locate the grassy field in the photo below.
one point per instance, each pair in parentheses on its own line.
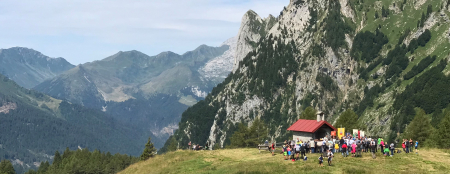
(251,161)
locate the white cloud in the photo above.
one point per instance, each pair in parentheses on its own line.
(87,30)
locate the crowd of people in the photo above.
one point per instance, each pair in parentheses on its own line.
(408,145)
(193,146)
(349,145)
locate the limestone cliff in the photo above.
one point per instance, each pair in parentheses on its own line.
(306,57)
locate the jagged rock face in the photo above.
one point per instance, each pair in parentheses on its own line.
(346,9)
(28,67)
(295,19)
(218,68)
(269,84)
(289,27)
(253,27)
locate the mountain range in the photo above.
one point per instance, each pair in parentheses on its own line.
(129,94)
(148,92)
(380,60)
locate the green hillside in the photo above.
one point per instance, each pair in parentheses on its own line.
(383,60)
(34,125)
(251,161)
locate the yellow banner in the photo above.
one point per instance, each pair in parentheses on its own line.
(341,132)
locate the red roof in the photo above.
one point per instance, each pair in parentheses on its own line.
(308,126)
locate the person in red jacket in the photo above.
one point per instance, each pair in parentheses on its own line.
(273,149)
(344,149)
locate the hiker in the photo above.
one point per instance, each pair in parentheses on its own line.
(307,147)
(293,153)
(330,157)
(189,144)
(273,148)
(324,146)
(297,149)
(302,150)
(285,152)
(407,145)
(411,142)
(367,142)
(336,148)
(344,150)
(358,149)
(404,146)
(289,151)
(321,160)
(319,146)
(292,144)
(382,145)
(392,147)
(351,141)
(386,151)
(411,145)
(341,142)
(346,140)
(330,145)
(354,149)
(379,144)
(415,146)
(311,144)
(373,145)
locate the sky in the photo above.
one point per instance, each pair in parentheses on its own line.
(87,30)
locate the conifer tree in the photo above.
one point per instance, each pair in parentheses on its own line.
(43,167)
(429,10)
(309,113)
(422,20)
(420,127)
(257,133)
(149,150)
(384,13)
(6,167)
(57,159)
(66,153)
(442,135)
(347,119)
(239,137)
(173,144)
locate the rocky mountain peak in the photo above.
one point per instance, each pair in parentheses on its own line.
(29,67)
(251,30)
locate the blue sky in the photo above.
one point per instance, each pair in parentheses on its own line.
(87,30)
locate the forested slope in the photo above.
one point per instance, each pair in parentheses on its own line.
(34,125)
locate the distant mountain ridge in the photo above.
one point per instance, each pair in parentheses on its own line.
(33,126)
(28,67)
(145,91)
